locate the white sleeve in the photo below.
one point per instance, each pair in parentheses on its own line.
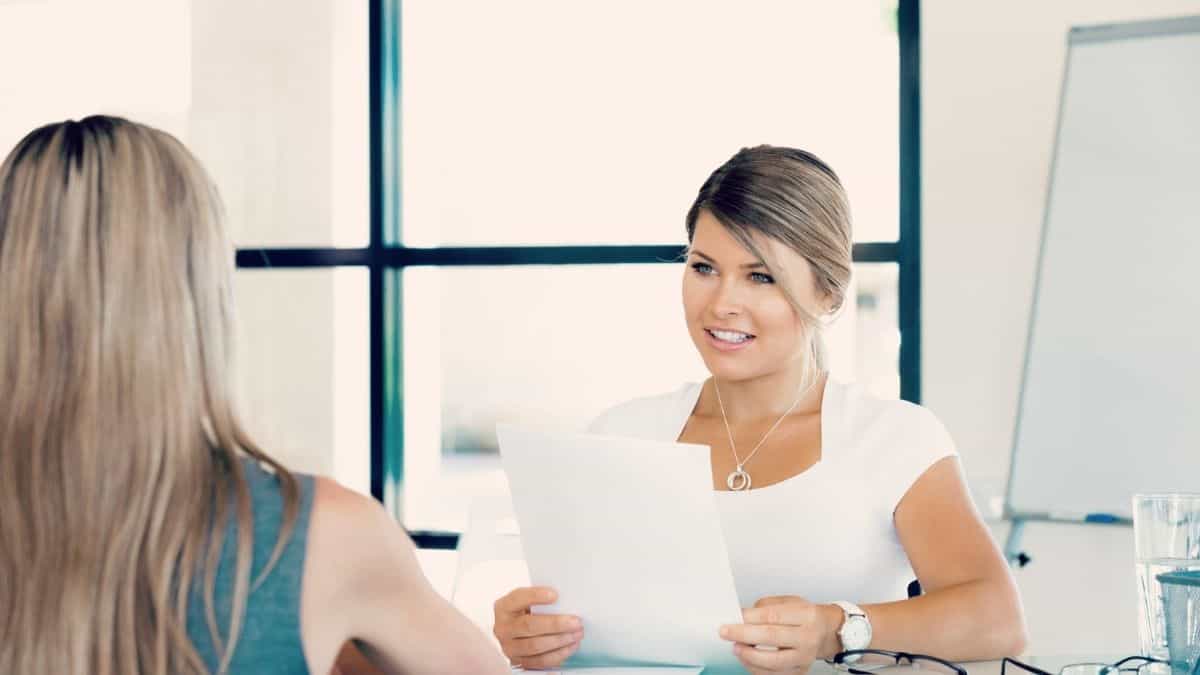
(649,417)
(920,442)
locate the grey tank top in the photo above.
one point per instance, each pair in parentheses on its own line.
(269,641)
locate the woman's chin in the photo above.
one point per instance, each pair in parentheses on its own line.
(726,372)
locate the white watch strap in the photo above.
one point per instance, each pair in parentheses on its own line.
(850,608)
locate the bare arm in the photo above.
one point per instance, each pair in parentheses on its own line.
(351,661)
(970,612)
(362,582)
(970,609)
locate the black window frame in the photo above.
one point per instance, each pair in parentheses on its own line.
(385,256)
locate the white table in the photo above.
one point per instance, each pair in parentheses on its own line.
(1049,663)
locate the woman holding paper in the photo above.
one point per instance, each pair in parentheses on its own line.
(831,500)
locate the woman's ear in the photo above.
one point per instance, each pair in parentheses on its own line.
(831,303)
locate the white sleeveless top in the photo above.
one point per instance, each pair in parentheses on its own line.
(826,534)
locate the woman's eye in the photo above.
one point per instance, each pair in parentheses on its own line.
(760,278)
(702,268)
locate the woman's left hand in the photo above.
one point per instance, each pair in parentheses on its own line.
(795,631)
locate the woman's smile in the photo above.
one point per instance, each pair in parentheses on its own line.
(728,340)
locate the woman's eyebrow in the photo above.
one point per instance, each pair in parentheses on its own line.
(747,266)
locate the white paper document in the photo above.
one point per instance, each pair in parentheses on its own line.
(627,531)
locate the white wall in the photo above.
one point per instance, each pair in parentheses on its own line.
(990,80)
(278,115)
(277,112)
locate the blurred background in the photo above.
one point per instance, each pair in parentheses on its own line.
(451,213)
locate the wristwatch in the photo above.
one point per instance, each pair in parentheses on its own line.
(855,632)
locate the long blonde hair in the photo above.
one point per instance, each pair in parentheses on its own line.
(793,197)
(120,451)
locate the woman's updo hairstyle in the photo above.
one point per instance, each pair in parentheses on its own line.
(793,197)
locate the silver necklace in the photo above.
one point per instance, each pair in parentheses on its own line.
(738,479)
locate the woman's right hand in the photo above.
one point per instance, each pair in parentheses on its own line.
(535,640)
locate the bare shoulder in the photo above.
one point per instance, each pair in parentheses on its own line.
(334,502)
(355,532)
(355,550)
(362,582)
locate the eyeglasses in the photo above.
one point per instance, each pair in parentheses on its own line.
(1129,664)
(898,658)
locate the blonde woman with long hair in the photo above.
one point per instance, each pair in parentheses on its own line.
(141,529)
(831,500)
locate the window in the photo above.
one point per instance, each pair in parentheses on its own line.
(530,165)
(433,201)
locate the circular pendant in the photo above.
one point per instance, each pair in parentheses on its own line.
(738,480)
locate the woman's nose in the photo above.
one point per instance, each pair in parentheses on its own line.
(726,302)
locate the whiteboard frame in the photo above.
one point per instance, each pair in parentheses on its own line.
(1077,35)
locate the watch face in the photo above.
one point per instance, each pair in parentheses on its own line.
(856,633)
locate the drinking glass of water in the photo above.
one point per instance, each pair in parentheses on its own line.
(1166,533)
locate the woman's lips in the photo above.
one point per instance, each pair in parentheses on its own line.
(728,345)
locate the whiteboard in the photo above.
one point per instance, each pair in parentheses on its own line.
(1110,398)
